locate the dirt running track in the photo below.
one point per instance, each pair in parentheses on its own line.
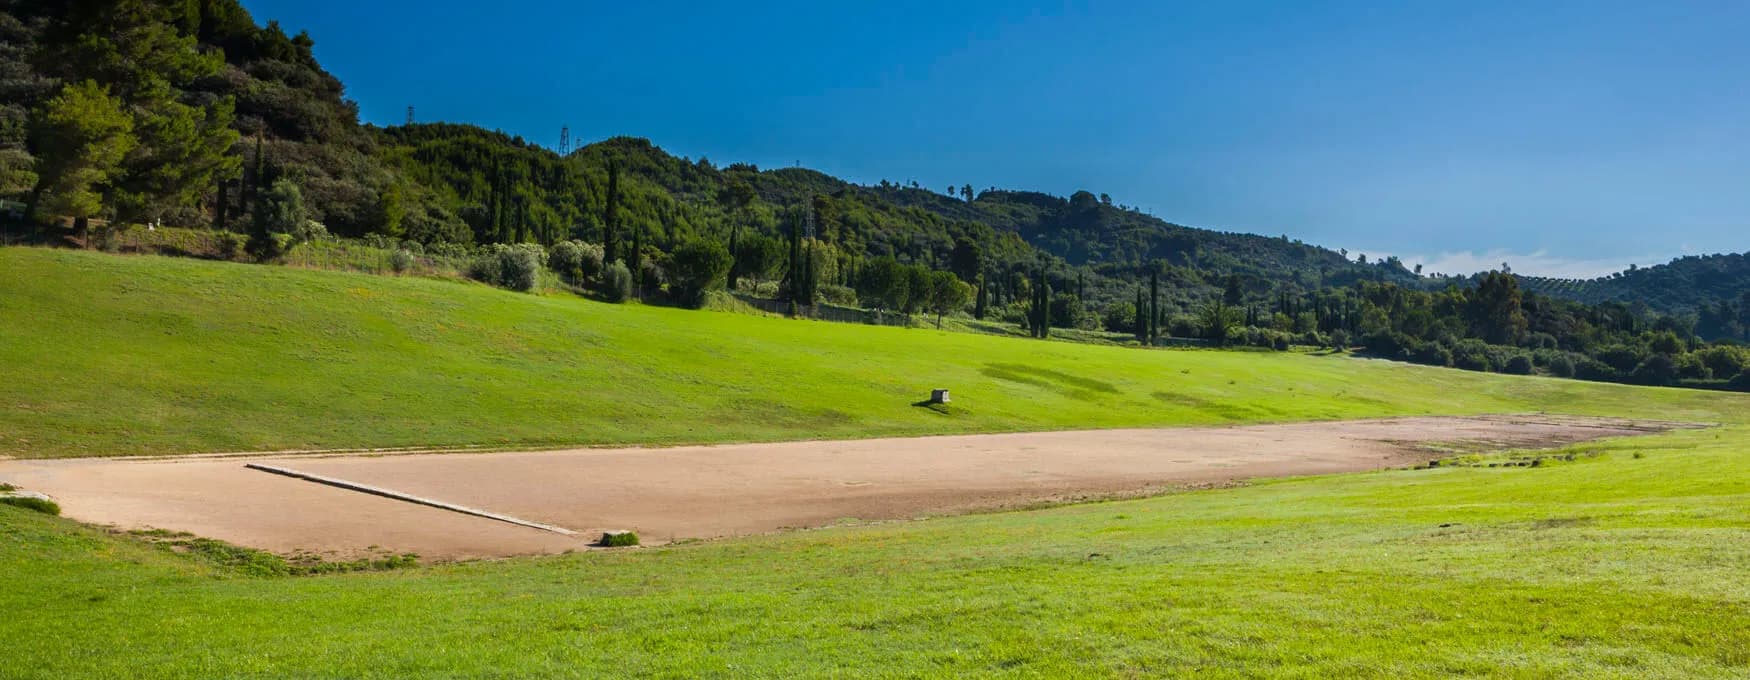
(713,491)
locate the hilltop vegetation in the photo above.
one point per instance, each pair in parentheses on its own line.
(1712,291)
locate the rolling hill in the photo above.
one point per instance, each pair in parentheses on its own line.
(1713,288)
(181,355)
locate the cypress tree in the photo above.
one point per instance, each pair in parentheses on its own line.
(1140,328)
(252,182)
(219,206)
(795,254)
(1044,305)
(1033,311)
(978,305)
(809,280)
(636,261)
(1154,303)
(734,252)
(611,215)
(522,220)
(1033,306)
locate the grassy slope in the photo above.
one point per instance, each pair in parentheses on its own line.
(1613,567)
(125,355)
(1634,563)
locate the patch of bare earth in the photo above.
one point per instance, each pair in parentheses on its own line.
(717,491)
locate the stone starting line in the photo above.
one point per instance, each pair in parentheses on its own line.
(406,497)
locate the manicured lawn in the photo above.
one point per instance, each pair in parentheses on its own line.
(112,355)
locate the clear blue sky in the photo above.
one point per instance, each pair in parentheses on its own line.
(1564,137)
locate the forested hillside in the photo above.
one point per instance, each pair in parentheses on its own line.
(1715,289)
(189,113)
(233,106)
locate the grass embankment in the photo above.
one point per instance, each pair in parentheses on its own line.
(107,355)
(1633,563)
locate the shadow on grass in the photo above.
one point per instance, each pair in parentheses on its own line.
(1072,386)
(937,407)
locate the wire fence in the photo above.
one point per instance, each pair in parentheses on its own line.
(826,312)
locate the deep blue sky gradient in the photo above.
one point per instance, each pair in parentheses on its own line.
(1565,137)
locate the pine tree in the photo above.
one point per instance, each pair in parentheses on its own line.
(81,136)
(134,50)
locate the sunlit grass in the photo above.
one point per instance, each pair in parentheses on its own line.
(106,355)
(1612,566)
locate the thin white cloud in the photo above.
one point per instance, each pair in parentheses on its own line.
(1537,263)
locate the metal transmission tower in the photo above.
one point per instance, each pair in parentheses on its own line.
(565,140)
(410,114)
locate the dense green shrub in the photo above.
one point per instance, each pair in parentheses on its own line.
(1471,354)
(1658,369)
(1561,366)
(695,267)
(838,295)
(401,260)
(1386,344)
(619,539)
(1184,326)
(1518,364)
(1666,342)
(653,276)
(616,283)
(1691,367)
(1434,354)
(310,230)
(227,245)
(1725,361)
(566,259)
(449,250)
(515,267)
(280,210)
(1622,358)
(269,247)
(1588,368)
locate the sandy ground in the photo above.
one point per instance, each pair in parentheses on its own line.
(715,491)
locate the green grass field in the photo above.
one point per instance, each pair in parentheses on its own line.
(1613,566)
(113,355)
(1632,561)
